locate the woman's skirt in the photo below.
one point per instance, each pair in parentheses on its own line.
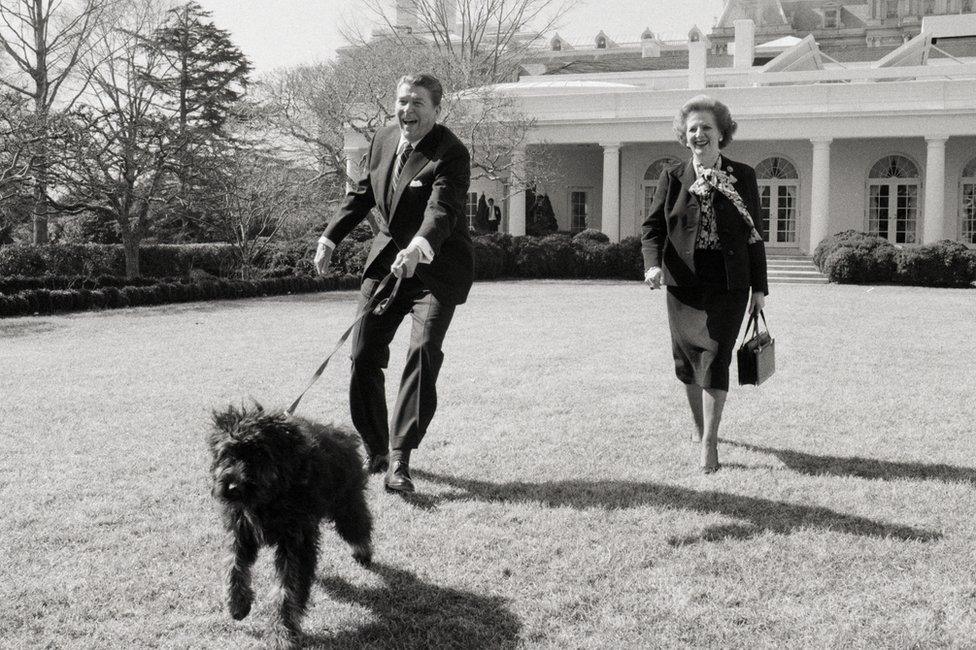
(705,323)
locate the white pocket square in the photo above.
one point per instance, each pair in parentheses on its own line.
(416,184)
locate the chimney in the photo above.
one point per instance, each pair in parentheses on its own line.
(697,58)
(650,46)
(745,43)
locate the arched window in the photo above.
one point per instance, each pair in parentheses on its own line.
(601,43)
(893,188)
(648,185)
(967,203)
(779,187)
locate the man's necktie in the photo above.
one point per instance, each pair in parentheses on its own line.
(398,167)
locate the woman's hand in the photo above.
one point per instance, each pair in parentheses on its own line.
(757,302)
(654,277)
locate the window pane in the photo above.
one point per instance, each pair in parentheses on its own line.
(577,208)
(878,210)
(786,226)
(969,213)
(764,208)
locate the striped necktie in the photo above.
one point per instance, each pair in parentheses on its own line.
(398,167)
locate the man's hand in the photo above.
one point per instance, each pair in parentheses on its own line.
(654,277)
(757,302)
(406,262)
(323,255)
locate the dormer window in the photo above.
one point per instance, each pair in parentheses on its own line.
(557,46)
(831,20)
(601,43)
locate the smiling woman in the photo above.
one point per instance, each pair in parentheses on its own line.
(700,238)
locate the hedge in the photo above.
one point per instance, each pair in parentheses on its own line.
(46,301)
(155,260)
(855,257)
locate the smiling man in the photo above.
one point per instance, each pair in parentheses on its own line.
(417,178)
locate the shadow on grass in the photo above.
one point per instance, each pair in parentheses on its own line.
(870,468)
(26,327)
(757,515)
(411,613)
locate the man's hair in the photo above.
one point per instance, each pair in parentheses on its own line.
(700,103)
(424,80)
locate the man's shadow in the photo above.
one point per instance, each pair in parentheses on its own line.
(411,613)
(756,515)
(869,468)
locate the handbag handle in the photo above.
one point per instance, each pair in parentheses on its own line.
(754,323)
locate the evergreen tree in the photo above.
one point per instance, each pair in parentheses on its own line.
(207,74)
(204,79)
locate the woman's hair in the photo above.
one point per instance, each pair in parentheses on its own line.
(723,119)
(424,80)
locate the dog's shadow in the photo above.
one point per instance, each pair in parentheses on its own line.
(868,468)
(755,515)
(411,613)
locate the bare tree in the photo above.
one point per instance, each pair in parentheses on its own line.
(255,197)
(120,150)
(46,40)
(488,39)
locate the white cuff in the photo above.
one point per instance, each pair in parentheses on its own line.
(426,252)
(328,242)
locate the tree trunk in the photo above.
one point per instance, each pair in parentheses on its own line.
(130,244)
(40,211)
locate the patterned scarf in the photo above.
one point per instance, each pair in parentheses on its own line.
(715,179)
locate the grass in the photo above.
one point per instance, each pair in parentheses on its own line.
(559,503)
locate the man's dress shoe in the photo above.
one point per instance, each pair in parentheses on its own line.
(398,477)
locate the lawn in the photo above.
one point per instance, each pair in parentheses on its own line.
(559,500)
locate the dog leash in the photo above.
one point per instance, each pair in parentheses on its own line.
(378,310)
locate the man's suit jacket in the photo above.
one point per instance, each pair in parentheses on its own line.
(429,202)
(671,228)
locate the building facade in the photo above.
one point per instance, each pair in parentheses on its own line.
(855,115)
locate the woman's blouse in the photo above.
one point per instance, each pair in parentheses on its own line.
(707,227)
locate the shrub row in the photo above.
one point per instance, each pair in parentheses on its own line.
(155,260)
(15,283)
(45,301)
(588,254)
(854,257)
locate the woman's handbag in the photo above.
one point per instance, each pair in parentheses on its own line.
(757,355)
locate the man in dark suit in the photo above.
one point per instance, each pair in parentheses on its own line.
(418,173)
(494,216)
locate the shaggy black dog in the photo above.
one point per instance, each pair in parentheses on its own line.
(276,477)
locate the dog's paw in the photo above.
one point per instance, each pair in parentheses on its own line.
(362,553)
(239,604)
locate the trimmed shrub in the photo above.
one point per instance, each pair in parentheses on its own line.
(631,259)
(591,235)
(489,259)
(22,260)
(856,257)
(942,264)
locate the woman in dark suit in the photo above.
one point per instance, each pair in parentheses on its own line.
(702,240)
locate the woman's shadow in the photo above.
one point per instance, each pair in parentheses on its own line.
(410,613)
(755,515)
(869,468)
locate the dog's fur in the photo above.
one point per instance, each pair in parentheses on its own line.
(275,478)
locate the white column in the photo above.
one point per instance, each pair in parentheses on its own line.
(516,202)
(820,193)
(933,214)
(610,213)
